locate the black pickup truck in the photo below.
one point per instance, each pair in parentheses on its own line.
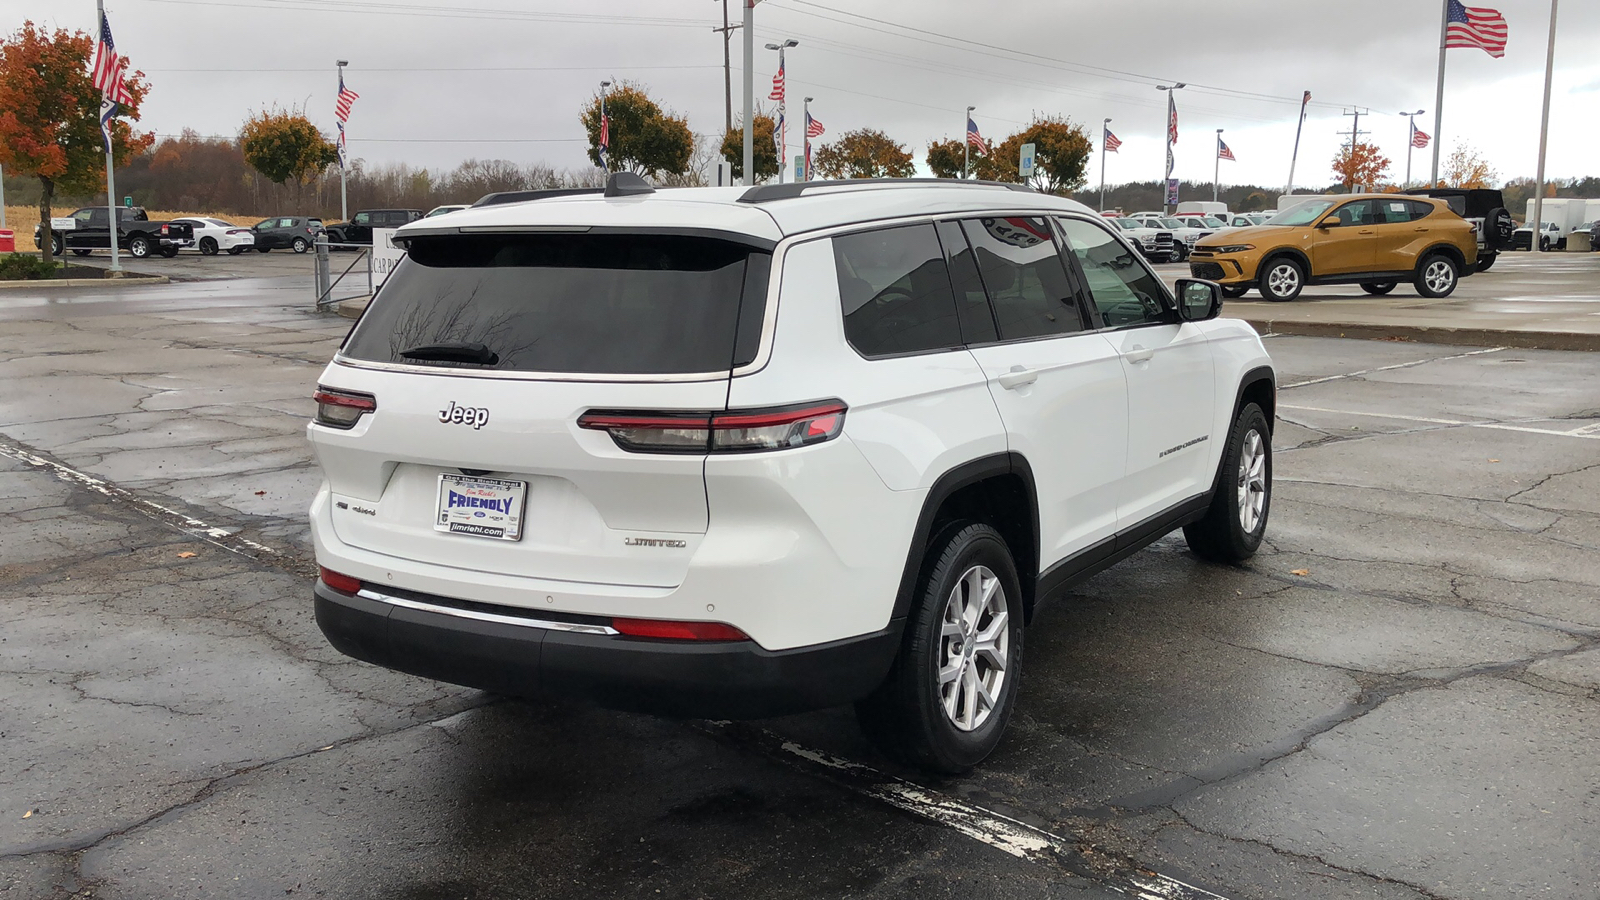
(135,233)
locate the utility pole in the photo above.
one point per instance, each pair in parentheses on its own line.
(749,91)
(1411,140)
(1355,133)
(1105,127)
(1544,135)
(727,67)
(966,144)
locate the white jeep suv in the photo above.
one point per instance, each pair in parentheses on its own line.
(734,452)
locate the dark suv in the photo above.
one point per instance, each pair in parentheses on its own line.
(295,233)
(359,229)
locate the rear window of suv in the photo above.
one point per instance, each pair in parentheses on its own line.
(616,304)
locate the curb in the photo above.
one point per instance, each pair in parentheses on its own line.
(124,281)
(1467,337)
(354,307)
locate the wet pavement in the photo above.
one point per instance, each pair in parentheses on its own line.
(1397,698)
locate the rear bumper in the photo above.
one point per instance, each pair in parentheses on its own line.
(711,680)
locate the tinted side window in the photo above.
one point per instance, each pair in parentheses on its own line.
(894,291)
(1361,212)
(1023,275)
(1392,212)
(1124,292)
(972,304)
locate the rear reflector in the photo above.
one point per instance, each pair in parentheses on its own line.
(738,431)
(679,631)
(342,409)
(342,583)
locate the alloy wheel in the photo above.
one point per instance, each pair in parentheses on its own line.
(1252,482)
(1439,276)
(974,649)
(1283,280)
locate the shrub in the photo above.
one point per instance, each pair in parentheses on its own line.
(25,267)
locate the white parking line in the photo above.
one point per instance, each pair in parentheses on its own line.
(1002,832)
(1405,365)
(1591,432)
(221,537)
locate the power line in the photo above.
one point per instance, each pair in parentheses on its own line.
(401,9)
(323,69)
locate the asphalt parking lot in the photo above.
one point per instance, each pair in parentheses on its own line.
(1396,699)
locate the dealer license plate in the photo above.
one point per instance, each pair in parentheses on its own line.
(481,507)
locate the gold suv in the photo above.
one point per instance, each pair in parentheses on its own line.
(1374,240)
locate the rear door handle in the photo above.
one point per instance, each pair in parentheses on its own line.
(1017,377)
(1138,354)
(1366,231)
(1421,229)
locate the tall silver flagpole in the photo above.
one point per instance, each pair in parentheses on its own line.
(344,151)
(966,144)
(1544,134)
(749,91)
(1105,128)
(1438,100)
(111,181)
(1216,178)
(1305,99)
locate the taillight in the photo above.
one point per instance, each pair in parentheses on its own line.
(678,631)
(739,431)
(338,581)
(238,231)
(342,409)
(164,229)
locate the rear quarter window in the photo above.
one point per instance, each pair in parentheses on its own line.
(614,304)
(894,291)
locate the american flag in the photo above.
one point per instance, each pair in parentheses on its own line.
(1419,138)
(813,127)
(1111,141)
(605,134)
(1172,118)
(1222,150)
(1480,27)
(974,138)
(108,68)
(777,85)
(341,107)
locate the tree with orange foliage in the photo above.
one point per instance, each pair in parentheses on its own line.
(50,116)
(1465,168)
(1360,164)
(865,153)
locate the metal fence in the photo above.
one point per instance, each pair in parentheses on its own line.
(334,290)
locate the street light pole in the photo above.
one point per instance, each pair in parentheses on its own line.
(1411,139)
(781,126)
(1172,113)
(966,144)
(1105,128)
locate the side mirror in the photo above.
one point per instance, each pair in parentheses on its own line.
(1198,299)
(1329,222)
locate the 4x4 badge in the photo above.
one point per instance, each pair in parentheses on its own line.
(477,416)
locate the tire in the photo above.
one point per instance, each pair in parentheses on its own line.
(299,245)
(1235,291)
(79,251)
(139,247)
(1486,260)
(169,252)
(907,716)
(208,246)
(1233,525)
(56,247)
(1498,226)
(1437,275)
(263,249)
(235,251)
(1544,244)
(1378,288)
(1180,252)
(1282,279)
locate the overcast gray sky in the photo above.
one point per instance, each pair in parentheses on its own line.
(443,82)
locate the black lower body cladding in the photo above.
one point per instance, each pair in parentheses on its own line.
(736,680)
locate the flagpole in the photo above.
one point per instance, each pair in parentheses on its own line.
(1216,178)
(1544,135)
(805,130)
(749,92)
(111,179)
(1105,128)
(344,150)
(1438,100)
(966,145)
(783,121)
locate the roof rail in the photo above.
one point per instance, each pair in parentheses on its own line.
(763,193)
(502,197)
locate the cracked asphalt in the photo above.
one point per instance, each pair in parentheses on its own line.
(1396,699)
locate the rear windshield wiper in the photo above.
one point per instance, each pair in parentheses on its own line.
(455,351)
